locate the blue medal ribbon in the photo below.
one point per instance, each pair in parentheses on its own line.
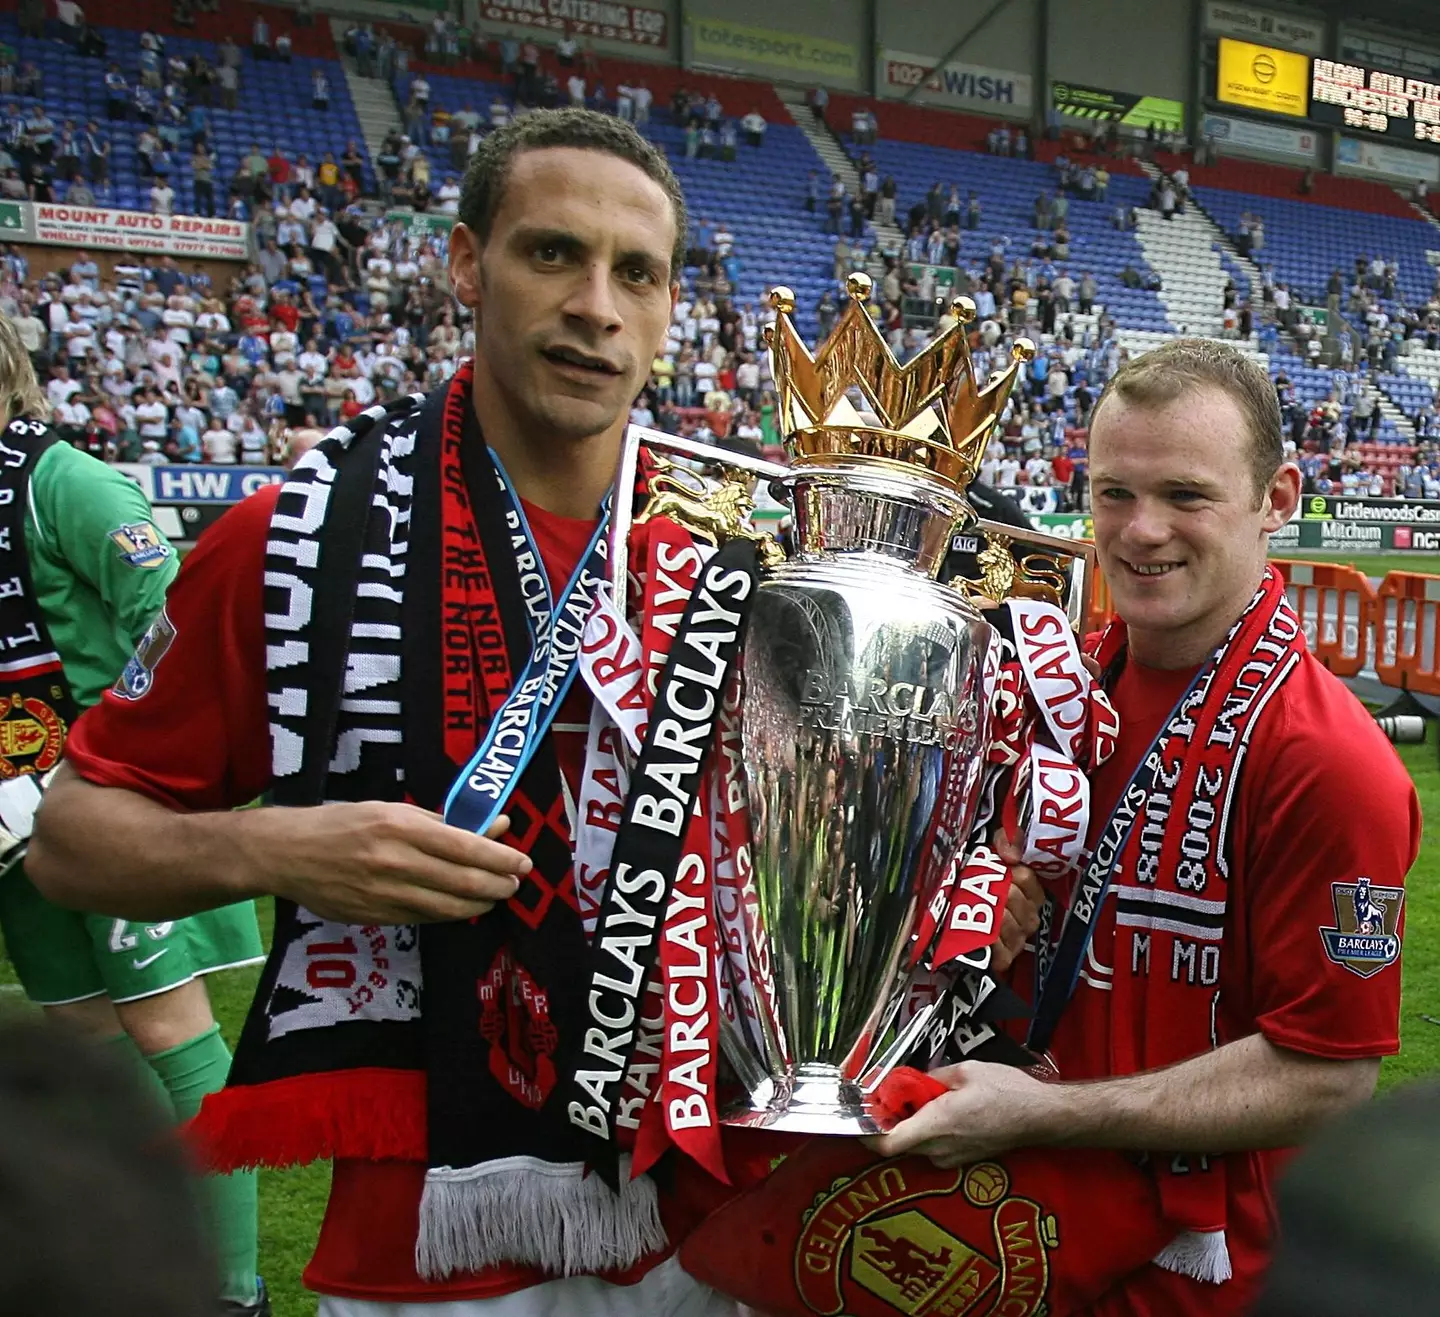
(479,794)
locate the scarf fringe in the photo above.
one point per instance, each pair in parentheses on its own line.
(1200,1254)
(524,1210)
(367,1113)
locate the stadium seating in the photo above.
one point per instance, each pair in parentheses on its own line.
(1316,384)
(1283,183)
(1007,189)
(1407,392)
(760,195)
(231,19)
(1305,242)
(273,109)
(736,94)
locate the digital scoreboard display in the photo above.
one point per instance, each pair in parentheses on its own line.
(1372,101)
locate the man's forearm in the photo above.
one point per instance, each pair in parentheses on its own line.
(1247,1094)
(119,853)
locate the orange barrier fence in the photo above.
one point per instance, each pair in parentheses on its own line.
(1406,621)
(1350,624)
(1336,604)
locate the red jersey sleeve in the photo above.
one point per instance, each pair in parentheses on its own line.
(188,724)
(1332,805)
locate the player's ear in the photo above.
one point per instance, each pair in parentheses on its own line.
(1282,497)
(464,266)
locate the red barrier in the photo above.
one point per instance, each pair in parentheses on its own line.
(1407,627)
(1336,603)
(1350,625)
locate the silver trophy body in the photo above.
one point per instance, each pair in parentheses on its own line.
(864,713)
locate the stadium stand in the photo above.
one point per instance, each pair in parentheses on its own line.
(759,192)
(1007,190)
(1282,183)
(274,107)
(1094,251)
(1306,242)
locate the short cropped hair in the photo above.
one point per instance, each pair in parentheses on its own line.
(1185,365)
(20,393)
(483,187)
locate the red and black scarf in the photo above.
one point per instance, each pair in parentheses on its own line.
(1168,854)
(37,705)
(394,628)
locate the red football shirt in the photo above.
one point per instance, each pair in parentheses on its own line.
(287,313)
(1323,799)
(199,740)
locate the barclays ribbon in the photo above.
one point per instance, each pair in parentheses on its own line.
(1082,917)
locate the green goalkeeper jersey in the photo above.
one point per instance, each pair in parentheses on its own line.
(98,563)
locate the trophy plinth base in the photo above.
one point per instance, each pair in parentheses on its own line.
(815,1100)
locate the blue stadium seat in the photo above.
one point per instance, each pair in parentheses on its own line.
(273,109)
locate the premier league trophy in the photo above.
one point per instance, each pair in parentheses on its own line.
(866,699)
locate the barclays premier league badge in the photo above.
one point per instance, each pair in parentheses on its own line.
(1367,936)
(140,544)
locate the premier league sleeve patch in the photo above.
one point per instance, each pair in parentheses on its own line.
(139,674)
(140,544)
(1366,937)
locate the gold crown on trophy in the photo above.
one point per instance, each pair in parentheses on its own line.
(933,412)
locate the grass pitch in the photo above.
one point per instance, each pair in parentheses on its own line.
(1419,1039)
(1372,564)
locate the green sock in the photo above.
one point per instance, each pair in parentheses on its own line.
(189,1072)
(132,1059)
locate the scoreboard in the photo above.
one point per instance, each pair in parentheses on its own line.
(1372,101)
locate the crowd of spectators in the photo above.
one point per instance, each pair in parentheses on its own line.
(711,131)
(1328,441)
(170,100)
(1381,328)
(155,364)
(1360,326)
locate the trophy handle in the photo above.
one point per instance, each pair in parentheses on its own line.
(1064,581)
(622,508)
(882,1063)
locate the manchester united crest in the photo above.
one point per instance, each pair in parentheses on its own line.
(1366,936)
(32,734)
(515,1021)
(869,1248)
